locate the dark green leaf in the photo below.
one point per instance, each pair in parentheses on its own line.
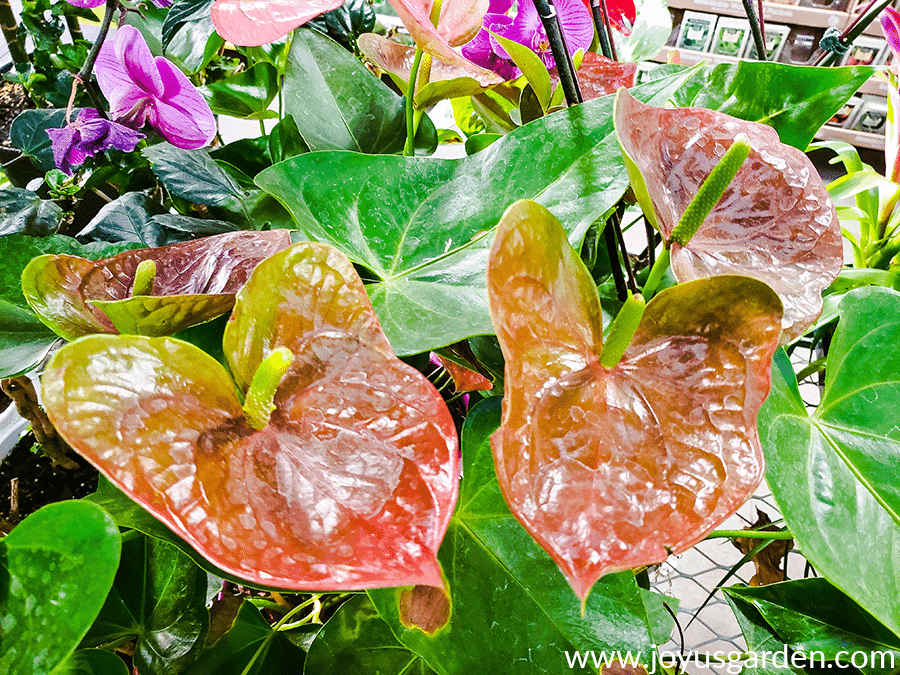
(795,100)
(764,647)
(424,226)
(817,620)
(182,12)
(29,134)
(24,340)
(661,621)
(357,640)
(833,474)
(285,140)
(174,228)
(247,94)
(159,597)
(339,105)
(56,568)
(92,662)
(192,175)
(346,23)
(479,142)
(251,647)
(250,155)
(503,586)
(126,219)
(22,211)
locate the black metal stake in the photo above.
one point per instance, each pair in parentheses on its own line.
(564,65)
(612,250)
(609,34)
(758,38)
(600,25)
(617,228)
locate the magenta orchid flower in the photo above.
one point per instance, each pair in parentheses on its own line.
(890,25)
(90,4)
(87,136)
(143,89)
(526,29)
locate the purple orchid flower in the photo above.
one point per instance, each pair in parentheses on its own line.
(526,29)
(87,136)
(90,4)
(143,89)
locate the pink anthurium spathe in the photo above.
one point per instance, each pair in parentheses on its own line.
(774,222)
(611,467)
(143,89)
(251,23)
(338,471)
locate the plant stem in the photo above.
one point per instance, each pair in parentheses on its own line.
(10,32)
(851,32)
(612,250)
(609,33)
(601,23)
(564,65)
(755,29)
(74,28)
(409,149)
(620,238)
(749,534)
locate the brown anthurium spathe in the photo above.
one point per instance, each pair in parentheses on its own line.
(349,483)
(599,76)
(775,221)
(613,468)
(194,281)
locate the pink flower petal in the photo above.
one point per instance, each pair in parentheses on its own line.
(460,22)
(250,23)
(182,96)
(135,56)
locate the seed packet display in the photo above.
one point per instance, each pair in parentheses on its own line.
(677,15)
(872,117)
(731,36)
(696,31)
(865,51)
(846,116)
(833,5)
(776,36)
(801,45)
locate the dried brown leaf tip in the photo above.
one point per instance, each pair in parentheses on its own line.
(768,562)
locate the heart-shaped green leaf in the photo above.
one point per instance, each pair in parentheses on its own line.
(503,586)
(92,662)
(423,226)
(247,94)
(24,211)
(350,481)
(774,222)
(194,281)
(610,468)
(834,473)
(56,568)
(159,599)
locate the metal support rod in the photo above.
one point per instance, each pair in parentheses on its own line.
(564,66)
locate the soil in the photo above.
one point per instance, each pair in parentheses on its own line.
(13,100)
(39,481)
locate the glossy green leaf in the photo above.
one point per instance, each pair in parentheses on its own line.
(56,568)
(285,140)
(92,662)
(833,474)
(29,134)
(24,340)
(159,598)
(182,12)
(126,219)
(764,648)
(22,211)
(338,104)
(347,482)
(611,466)
(795,100)
(503,586)
(357,640)
(346,23)
(423,227)
(192,174)
(251,647)
(814,618)
(247,94)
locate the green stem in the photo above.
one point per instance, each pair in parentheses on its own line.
(657,272)
(749,534)
(10,32)
(622,331)
(409,148)
(259,402)
(813,368)
(755,30)
(711,191)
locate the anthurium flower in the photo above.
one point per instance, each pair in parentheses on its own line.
(87,136)
(622,14)
(143,89)
(250,23)
(774,222)
(611,467)
(340,469)
(192,282)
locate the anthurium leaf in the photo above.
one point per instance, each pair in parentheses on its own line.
(190,281)
(29,134)
(460,77)
(251,647)
(764,648)
(774,221)
(503,586)
(848,449)
(611,468)
(346,23)
(192,175)
(24,340)
(174,228)
(57,567)
(423,227)
(338,104)
(180,13)
(247,94)
(357,640)
(22,211)
(285,140)
(795,100)
(159,598)
(814,618)
(92,662)
(126,219)
(251,23)
(349,484)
